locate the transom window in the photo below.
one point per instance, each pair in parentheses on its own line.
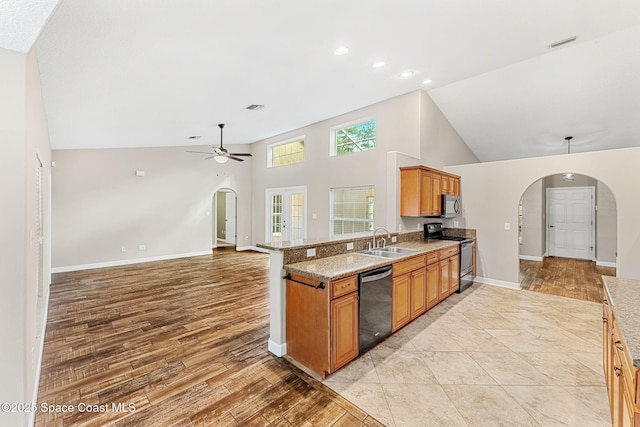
(352,210)
(353,137)
(286,152)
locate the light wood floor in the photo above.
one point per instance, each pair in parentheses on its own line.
(184,342)
(566,277)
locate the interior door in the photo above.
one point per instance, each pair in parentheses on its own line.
(570,228)
(286,214)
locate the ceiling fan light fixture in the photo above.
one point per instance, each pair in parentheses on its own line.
(221,159)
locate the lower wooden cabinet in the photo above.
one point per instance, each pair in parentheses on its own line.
(433,284)
(401,301)
(344,330)
(418,293)
(621,375)
(322,322)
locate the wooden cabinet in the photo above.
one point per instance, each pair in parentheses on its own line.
(401,301)
(409,295)
(620,374)
(433,284)
(421,189)
(344,330)
(454,274)
(322,322)
(418,293)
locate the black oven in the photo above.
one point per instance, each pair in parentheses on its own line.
(436,231)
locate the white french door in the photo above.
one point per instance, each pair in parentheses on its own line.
(570,225)
(286,214)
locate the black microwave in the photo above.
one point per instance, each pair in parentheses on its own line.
(450,206)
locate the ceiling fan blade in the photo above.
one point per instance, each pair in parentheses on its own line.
(200,152)
(241,154)
(235,158)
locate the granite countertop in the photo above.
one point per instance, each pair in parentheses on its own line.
(337,266)
(624,296)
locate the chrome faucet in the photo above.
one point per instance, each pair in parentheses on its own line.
(384,242)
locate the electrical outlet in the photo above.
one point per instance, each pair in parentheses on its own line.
(350,246)
(455,224)
(394,239)
(507,226)
(311,252)
(142,247)
(124,249)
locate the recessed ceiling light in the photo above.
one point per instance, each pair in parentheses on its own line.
(379,64)
(341,50)
(407,74)
(426,82)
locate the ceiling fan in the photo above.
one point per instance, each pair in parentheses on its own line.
(221,154)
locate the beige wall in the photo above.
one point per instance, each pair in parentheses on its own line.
(492,192)
(532,246)
(397,129)
(101,205)
(408,126)
(606,225)
(23,134)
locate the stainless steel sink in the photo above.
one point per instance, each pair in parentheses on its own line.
(396,250)
(388,252)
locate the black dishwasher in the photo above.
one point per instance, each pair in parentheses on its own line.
(374,307)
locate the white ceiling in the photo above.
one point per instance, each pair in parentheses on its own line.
(142,73)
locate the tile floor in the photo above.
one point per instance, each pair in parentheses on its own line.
(487,357)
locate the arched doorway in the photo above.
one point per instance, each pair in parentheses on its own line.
(224,226)
(567,235)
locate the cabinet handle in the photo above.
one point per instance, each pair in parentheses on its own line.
(319,286)
(618,371)
(605,320)
(618,345)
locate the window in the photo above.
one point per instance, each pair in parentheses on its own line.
(286,153)
(352,211)
(353,137)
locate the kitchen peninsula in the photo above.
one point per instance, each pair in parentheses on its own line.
(314,292)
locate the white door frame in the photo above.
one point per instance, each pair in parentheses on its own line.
(592,226)
(214,208)
(268,192)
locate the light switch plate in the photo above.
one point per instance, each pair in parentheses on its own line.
(394,239)
(350,246)
(507,226)
(311,252)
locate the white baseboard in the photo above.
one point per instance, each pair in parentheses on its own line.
(277,349)
(499,283)
(531,258)
(126,262)
(606,264)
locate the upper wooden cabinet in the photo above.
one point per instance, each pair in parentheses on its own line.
(421,189)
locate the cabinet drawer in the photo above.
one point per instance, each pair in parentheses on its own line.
(432,257)
(449,252)
(344,286)
(406,266)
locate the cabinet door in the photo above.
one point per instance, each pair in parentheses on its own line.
(454,273)
(418,293)
(426,201)
(436,193)
(445,280)
(344,330)
(456,186)
(400,301)
(433,284)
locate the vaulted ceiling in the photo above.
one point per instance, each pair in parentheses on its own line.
(141,73)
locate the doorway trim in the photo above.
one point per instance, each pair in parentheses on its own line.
(214,208)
